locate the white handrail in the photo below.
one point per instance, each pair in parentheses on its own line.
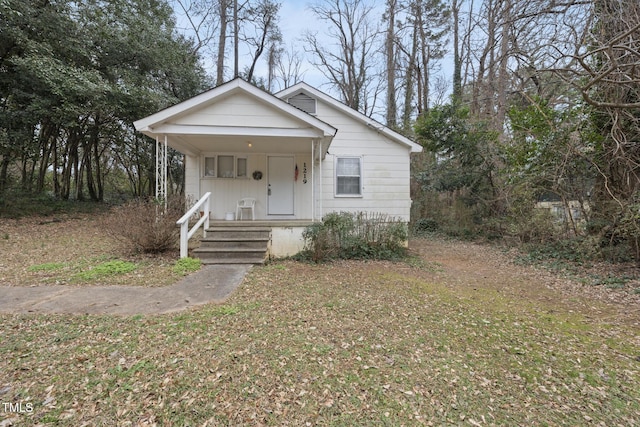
(185,233)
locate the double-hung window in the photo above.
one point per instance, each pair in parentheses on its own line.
(348,176)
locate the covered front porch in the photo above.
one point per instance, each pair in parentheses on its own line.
(242,142)
(276,185)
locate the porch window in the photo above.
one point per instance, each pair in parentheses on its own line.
(348,176)
(209,166)
(241,167)
(225,166)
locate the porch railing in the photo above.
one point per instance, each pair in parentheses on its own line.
(185,232)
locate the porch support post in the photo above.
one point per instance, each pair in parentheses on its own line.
(161,169)
(313,182)
(321,195)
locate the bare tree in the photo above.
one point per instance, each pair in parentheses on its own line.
(349,63)
(200,20)
(260,30)
(273,56)
(288,67)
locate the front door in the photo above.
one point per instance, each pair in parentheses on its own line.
(280,185)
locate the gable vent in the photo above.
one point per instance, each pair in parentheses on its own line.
(303,102)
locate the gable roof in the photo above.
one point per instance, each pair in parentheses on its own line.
(152,124)
(367,121)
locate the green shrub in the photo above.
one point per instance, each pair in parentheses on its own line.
(355,236)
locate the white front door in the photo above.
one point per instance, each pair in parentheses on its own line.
(280,185)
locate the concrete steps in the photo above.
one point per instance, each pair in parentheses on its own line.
(234,244)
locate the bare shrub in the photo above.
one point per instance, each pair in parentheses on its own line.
(144,225)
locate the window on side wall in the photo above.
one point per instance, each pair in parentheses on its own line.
(348,176)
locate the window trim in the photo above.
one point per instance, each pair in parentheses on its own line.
(216,167)
(336,177)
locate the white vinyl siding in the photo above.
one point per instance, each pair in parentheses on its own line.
(348,176)
(385,173)
(239,111)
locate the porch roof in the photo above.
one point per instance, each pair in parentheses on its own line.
(237,117)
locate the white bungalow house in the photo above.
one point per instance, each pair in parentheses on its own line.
(299,154)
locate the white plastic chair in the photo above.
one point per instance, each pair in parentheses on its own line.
(246,203)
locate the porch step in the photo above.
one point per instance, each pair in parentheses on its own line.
(239,232)
(234,245)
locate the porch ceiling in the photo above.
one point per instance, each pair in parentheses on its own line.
(199,144)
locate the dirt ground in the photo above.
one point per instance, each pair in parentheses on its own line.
(480,266)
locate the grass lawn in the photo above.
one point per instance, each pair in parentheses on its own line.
(349,343)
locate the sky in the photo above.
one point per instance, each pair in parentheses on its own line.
(295,20)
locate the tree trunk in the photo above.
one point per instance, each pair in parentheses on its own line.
(222,39)
(425,63)
(392,109)
(503,73)
(48,137)
(70,158)
(56,181)
(457,60)
(99,178)
(236,34)
(409,84)
(4,175)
